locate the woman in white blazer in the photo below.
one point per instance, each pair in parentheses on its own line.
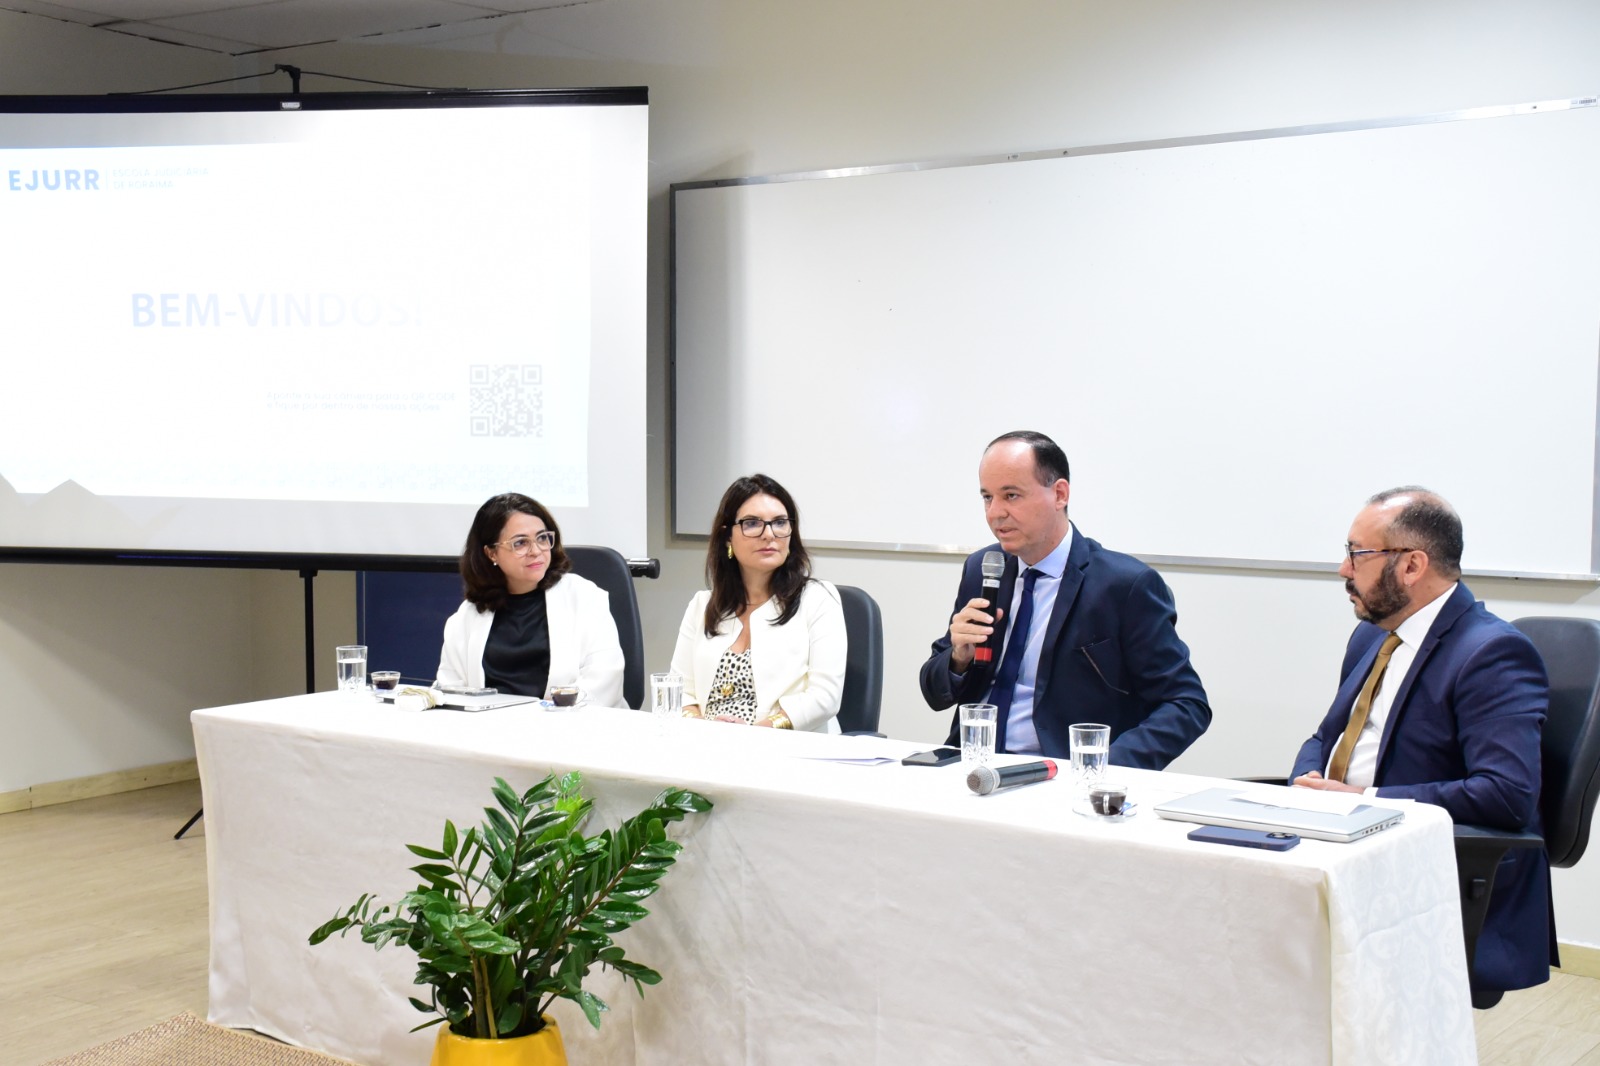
(765,644)
(527,624)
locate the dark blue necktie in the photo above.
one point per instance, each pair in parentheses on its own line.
(1005,681)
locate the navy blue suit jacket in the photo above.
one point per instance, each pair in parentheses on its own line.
(1463,732)
(1111,655)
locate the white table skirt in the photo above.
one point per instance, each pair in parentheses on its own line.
(828,913)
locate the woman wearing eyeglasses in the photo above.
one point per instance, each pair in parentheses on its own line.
(527,624)
(765,645)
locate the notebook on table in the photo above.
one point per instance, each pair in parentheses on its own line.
(475,701)
(1232,808)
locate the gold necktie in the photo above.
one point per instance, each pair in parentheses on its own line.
(1358,717)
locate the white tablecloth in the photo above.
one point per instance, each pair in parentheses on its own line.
(829,913)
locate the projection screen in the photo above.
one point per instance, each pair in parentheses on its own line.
(320,324)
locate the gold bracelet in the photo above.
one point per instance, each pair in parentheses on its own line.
(780,720)
(696,713)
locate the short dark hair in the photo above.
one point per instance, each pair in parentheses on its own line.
(1049,461)
(1427,522)
(482,582)
(722,569)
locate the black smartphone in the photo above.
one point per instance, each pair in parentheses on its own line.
(936,757)
(1245,838)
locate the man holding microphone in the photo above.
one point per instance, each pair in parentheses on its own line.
(1085,635)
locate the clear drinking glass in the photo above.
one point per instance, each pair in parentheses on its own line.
(666,695)
(978,724)
(351,662)
(1091,746)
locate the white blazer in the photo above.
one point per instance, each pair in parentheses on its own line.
(584,649)
(798,666)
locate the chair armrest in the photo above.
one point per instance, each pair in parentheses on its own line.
(1479,851)
(1477,838)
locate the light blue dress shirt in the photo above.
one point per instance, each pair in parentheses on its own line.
(1021,737)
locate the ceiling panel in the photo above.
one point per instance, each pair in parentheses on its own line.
(240,26)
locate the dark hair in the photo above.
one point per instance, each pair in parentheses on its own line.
(1049,461)
(1427,522)
(722,570)
(483,583)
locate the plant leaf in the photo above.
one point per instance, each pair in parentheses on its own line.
(506,796)
(501,825)
(327,929)
(639,975)
(592,1006)
(621,910)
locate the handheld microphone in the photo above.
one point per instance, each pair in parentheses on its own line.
(994,564)
(986,779)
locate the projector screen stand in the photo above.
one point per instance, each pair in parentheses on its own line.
(308,576)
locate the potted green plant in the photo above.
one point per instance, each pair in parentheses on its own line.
(514,912)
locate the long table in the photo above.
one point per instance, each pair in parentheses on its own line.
(828,912)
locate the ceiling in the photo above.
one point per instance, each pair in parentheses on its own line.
(243,27)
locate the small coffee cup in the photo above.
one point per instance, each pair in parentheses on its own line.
(1107,799)
(564,695)
(385,680)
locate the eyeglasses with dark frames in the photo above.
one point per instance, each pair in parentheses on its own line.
(757,527)
(1355,555)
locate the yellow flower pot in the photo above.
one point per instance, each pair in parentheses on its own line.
(543,1048)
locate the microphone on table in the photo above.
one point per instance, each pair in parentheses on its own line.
(986,779)
(994,564)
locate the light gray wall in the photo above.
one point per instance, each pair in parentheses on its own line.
(757,86)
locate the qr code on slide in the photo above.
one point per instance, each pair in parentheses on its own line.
(506,401)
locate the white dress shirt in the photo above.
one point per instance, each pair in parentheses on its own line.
(1364,758)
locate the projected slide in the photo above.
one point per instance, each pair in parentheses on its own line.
(385,307)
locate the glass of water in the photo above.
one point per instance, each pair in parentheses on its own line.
(351,660)
(978,724)
(1091,747)
(666,695)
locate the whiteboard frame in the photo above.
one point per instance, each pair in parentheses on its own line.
(1309,130)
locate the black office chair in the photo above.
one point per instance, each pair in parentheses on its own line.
(863,669)
(1570,747)
(607,568)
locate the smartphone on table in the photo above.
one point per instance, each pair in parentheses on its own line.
(936,757)
(1245,838)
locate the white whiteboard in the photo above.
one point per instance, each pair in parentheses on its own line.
(1235,343)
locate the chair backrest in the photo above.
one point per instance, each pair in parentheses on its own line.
(400,616)
(607,568)
(1570,648)
(863,668)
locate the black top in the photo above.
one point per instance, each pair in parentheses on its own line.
(516,658)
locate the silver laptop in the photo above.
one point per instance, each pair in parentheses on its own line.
(1224,806)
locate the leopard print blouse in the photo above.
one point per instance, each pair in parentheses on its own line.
(733,690)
